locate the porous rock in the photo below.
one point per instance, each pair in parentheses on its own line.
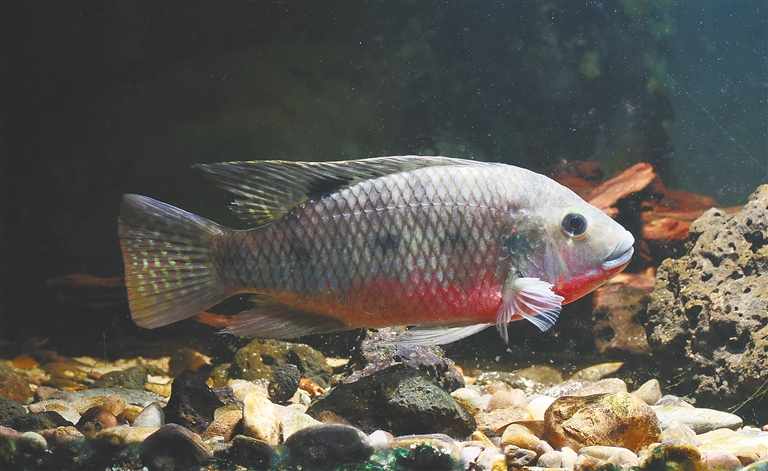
(284,383)
(260,358)
(398,399)
(9,409)
(620,420)
(708,315)
(130,378)
(378,351)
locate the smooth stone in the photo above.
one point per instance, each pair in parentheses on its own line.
(698,419)
(174,447)
(552,459)
(192,402)
(586,463)
(597,372)
(670,400)
(604,386)
(470,399)
(124,435)
(63,408)
(567,388)
(151,416)
(380,439)
(131,412)
(32,442)
(225,425)
(14,385)
(241,388)
(649,392)
(569,457)
(115,404)
(328,446)
(132,396)
(744,438)
(678,433)
(432,451)
(468,455)
(36,422)
(519,436)
(619,419)
(94,420)
(538,406)
(720,460)
(502,400)
(253,453)
(296,421)
(43,393)
(517,457)
(489,458)
(130,378)
(545,375)
(260,419)
(10,409)
(619,456)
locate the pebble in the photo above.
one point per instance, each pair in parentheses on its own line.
(32,442)
(604,386)
(9,409)
(649,392)
(470,399)
(14,385)
(63,408)
(721,460)
(296,421)
(253,453)
(328,446)
(131,396)
(124,435)
(174,447)
(519,436)
(538,406)
(434,451)
(151,416)
(678,433)
(284,383)
(94,420)
(698,419)
(595,373)
(192,402)
(260,419)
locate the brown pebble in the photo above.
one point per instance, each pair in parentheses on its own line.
(94,420)
(115,404)
(42,393)
(14,385)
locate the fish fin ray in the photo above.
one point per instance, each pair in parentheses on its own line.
(271,319)
(168,261)
(270,188)
(530,298)
(436,335)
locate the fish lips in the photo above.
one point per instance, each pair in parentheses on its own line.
(621,254)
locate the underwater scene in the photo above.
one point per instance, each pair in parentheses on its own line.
(386,235)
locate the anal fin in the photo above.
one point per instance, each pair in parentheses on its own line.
(272,319)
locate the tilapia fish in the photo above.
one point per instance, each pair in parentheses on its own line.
(446,245)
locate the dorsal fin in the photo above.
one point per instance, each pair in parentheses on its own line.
(271,187)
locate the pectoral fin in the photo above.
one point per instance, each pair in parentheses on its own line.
(530,298)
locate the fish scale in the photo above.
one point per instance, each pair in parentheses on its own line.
(448,245)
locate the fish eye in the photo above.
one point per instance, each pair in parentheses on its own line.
(574,224)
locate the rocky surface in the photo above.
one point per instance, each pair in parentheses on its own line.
(708,315)
(261,358)
(416,425)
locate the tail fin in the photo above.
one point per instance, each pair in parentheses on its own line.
(169,261)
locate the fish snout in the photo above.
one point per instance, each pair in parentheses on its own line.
(621,254)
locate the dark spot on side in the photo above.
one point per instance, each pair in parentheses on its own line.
(388,242)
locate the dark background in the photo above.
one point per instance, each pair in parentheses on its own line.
(101,99)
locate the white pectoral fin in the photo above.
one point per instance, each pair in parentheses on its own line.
(432,335)
(531,299)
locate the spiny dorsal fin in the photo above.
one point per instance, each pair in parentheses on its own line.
(272,187)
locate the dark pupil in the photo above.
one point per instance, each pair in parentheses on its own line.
(574,224)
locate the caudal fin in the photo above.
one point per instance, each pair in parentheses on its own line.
(169,266)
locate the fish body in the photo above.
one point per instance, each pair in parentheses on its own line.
(448,245)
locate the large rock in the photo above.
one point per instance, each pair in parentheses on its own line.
(397,399)
(619,420)
(377,352)
(192,402)
(708,315)
(261,358)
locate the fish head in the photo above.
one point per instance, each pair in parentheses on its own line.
(570,244)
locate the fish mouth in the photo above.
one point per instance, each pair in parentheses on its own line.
(622,254)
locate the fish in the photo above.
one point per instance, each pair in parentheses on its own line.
(445,246)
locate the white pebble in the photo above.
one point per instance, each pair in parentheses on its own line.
(151,416)
(538,406)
